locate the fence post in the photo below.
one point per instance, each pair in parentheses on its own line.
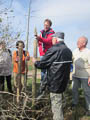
(34,71)
(18,79)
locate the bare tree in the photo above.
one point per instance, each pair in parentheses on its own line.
(8,36)
(6,8)
(7,32)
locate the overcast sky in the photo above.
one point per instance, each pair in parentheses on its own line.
(69,16)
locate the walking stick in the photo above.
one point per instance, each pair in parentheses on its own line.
(34,71)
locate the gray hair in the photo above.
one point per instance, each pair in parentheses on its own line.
(86,40)
(59,39)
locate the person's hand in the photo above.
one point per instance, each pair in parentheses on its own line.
(33,60)
(37,37)
(89,81)
(17,58)
(27,58)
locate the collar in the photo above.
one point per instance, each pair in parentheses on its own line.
(45,31)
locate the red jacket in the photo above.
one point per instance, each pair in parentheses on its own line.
(45,41)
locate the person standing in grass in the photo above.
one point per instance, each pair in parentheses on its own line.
(44,43)
(5,67)
(81,76)
(57,61)
(26,57)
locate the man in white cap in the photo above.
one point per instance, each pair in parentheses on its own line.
(57,61)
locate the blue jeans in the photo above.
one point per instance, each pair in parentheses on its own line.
(43,71)
(76,84)
(43,80)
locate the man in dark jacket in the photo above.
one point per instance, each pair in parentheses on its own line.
(57,61)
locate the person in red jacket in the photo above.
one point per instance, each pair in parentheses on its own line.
(45,38)
(45,42)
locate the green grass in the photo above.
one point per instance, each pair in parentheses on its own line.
(29,83)
(30,68)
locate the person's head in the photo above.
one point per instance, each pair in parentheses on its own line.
(82,42)
(17,44)
(2,45)
(57,37)
(47,24)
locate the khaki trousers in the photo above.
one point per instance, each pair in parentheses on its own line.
(56,104)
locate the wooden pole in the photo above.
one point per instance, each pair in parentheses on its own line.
(19,86)
(34,71)
(27,39)
(28,26)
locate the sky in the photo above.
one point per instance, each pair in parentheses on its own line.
(69,16)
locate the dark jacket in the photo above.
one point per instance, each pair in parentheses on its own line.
(57,61)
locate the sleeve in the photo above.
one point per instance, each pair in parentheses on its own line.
(89,63)
(73,57)
(14,57)
(28,56)
(47,60)
(74,54)
(47,40)
(40,48)
(89,57)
